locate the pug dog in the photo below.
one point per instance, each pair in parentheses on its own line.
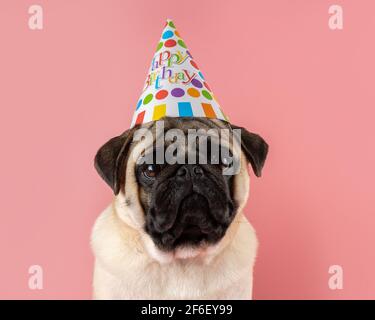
(175,231)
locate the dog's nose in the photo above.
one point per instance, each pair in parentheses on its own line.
(192,170)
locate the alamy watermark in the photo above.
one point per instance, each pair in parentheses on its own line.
(336,280)
(35,21)
(336,19)
(198,146)
(36,277)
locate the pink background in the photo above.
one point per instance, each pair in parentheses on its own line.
(276,68)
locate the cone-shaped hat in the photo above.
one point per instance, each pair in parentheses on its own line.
(175,87)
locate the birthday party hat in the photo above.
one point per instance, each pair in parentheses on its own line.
(175,87)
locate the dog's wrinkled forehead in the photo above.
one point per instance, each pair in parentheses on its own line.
(186,126)
(186,140)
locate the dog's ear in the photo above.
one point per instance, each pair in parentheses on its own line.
(111,159)
(255,149)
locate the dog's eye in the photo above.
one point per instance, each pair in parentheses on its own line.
(150,171)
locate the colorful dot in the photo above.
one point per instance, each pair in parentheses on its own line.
(193,92)
(139,104)
(206,94)
(161,94)
(181,43)
(177,34)
(196,83)
(167,34)
(160,45)
(147,99)
(208,110)
(171,24)
(185,109)
(189,54)
(169,43)
(201,75)
(177,92)
(206,85)
(140,117)
(192,62)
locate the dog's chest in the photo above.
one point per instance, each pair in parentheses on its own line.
(173,282)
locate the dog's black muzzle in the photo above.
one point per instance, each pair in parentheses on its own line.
(190,207)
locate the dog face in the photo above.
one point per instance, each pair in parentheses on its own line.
(184,204)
